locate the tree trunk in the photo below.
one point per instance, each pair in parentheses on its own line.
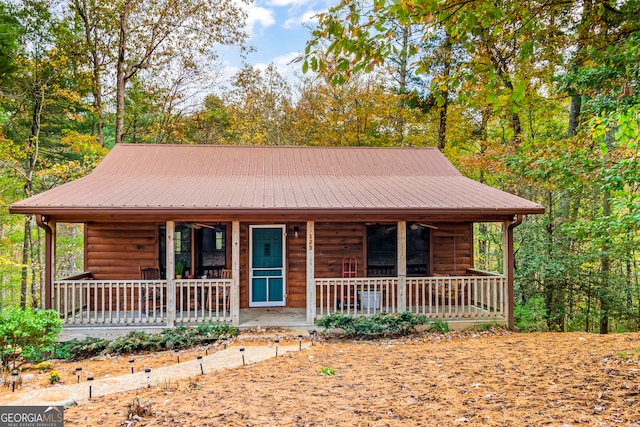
(446,73)
(574,114)
(26,252)
(37,272)
(605,271)
(91,39)
(501,69)
(32,160)
(121,72)
(402,85)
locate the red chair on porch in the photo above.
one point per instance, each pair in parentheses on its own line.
(347,294)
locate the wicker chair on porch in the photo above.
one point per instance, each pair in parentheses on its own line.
(223,294)
(151,294)
(448,291)
(223,299)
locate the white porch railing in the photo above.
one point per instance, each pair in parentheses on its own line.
(140,302)
(199,300)
(473,297)
(457,296)
(356,296)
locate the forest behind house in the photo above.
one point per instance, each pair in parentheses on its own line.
(538,98)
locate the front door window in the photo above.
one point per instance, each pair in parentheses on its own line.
(267,266)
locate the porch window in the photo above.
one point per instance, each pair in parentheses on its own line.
(211,250)
(202,248)
(382,251)
(417,249)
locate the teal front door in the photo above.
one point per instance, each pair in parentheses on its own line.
(267,266)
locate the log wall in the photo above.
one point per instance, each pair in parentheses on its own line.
(452,248)
(116,251)
(333,242)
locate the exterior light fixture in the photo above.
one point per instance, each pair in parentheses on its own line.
(90,379)
(296,231)
(14,378)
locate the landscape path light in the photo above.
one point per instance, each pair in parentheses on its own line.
(201,369)
(300,341)
(78,373)
(177,355)
(90,379)
(242,353)
(14,378)
(131,364)
(148,370)
(277,341)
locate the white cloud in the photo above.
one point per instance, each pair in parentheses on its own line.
(287,2)
(284,61)
(259,16)
(295,21)
(283,64)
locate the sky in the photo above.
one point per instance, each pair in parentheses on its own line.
(277,32)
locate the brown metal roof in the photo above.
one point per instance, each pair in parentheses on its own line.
(270,179)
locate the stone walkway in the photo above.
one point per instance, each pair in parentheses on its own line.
(68,394)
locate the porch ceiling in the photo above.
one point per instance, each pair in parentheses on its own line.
(237,180)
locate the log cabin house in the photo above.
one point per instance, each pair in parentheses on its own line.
(312,229)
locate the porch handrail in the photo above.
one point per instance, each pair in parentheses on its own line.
(200,300)
(140,302)
(457,296)
(472,297)
(356,295)
(79,276)
(478,272)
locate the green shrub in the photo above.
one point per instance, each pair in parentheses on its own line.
(327,371)
(80,349)
(139,341)
(378,324)
(439,326)
(26,335)
(530,316)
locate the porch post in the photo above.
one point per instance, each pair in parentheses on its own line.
(170,273)
(402,266)
(508,259)
(311,282)
(49,228)
(235,273)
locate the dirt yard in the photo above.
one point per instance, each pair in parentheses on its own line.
(474,378)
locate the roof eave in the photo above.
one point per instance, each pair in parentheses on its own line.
(90,211)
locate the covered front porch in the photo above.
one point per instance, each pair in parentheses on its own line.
(86,302)
(468,296)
